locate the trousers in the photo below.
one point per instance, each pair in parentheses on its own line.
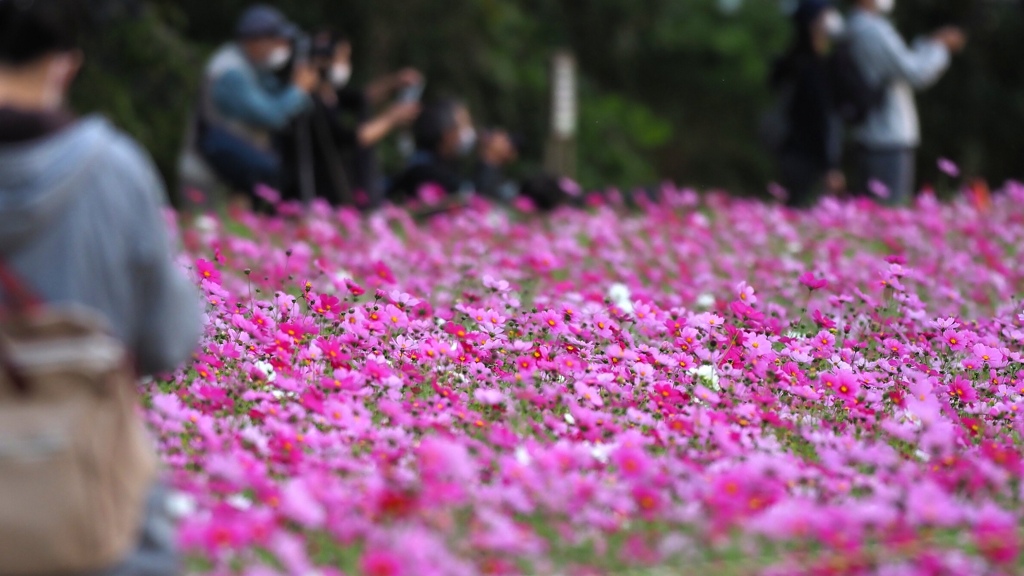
(239,163)
(892,168)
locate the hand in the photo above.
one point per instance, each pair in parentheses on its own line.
(951,37)
(404,113)
(408,77)
(305,77)
(835,181)
(496,148)
(327,94)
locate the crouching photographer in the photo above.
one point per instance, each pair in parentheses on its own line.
(244,103)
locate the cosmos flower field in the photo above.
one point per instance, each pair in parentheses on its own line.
(699,385)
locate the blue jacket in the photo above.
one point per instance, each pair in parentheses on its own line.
(247,101)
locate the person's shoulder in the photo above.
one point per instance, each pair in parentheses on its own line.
(121,156)
(227,58)
(860,21)
(118,145)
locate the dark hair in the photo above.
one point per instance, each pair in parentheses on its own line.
(436,119)
(31,29)
(803,19)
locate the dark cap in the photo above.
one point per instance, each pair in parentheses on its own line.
(262,21)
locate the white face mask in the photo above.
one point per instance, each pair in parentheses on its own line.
(278,58)
(834,24)
(57,77)
(340,74)
(467,140)
(885,6)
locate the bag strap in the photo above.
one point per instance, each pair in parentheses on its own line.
(23,301)
(18,295)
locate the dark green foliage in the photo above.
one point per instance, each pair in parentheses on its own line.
(672,88)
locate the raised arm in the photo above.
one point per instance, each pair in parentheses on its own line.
(921,65)
(168,317)
(239,96)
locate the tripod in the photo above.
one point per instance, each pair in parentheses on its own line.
(312,132)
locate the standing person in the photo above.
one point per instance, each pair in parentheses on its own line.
(81,222)
(345,130)
(889,137)
(810,154)
(243,104)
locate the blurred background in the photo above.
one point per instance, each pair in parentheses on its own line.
(669,89)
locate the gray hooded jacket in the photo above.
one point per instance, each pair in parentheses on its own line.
(81,222)
(886,60)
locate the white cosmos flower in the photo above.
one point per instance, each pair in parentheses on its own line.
(619,294)
(267,369)
(708,374)
(705,300)
(342,275)
(601,451)
(277,393)
(913,419)
(239,502)
(180,505)
(205,223)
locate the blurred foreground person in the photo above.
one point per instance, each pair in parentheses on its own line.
(811,150)
(243,104)
(890,135)
(88,286)
(445,141)
(345,132)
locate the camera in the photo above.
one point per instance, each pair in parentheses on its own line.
(411,94)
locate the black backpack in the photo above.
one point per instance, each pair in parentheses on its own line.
(853,97)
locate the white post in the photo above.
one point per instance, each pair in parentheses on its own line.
(561,157)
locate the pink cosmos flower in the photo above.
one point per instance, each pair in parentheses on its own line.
(207,271)
(570,187)
(431,194)
(758,344)
(878,189)
(812,283)
(632,462)
(270,195)
(381,563)
(746,294)
(948,167)
(956,340)
(489,397)
(777,191)
(962,390)
(988,355)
